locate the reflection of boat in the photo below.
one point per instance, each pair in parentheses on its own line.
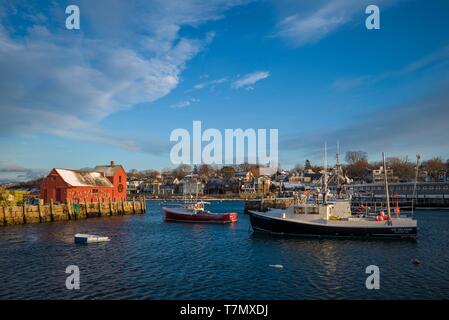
(195,212)
(332,219)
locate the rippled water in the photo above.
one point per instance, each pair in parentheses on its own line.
(150,259)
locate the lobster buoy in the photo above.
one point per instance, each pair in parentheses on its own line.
(397,210)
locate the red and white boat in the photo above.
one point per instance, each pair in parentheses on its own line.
(195,212)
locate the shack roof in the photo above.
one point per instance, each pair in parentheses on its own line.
(109,171)
(79,178)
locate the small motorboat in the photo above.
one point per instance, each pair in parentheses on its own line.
(195,212)
(89,238)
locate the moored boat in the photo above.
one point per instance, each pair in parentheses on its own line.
(319,221)
(333,219)
(196,213)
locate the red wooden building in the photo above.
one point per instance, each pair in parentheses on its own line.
(104,182)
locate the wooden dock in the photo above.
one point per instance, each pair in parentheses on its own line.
(26,214)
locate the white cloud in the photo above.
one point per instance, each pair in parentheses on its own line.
(248,80)
(64,82)
(311,21)
(210,83)
(184,103)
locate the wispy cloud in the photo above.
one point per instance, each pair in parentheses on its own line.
(184,103)
(308,23)
(210,83)
(440,56)
(248,80)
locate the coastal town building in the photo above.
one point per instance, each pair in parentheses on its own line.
(192,185)
(378,175)
(103,183)
(438,189)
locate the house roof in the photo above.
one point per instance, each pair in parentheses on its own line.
(109,171)
(79,178)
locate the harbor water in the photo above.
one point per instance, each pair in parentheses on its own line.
(148,258)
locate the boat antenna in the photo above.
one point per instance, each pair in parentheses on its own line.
(387,192)
(418,157)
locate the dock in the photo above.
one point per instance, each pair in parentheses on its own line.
(29,214)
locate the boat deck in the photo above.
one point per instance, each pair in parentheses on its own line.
(350,222)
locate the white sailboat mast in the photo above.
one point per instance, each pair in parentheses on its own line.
(325,174)
(387,192)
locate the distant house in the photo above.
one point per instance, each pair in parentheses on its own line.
(104,183)
(311,178)
(215,186)
(253,183)
(191,185)
(134,186)
(169,186)
(378,175)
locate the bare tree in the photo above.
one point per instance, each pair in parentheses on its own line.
(402,168)
(353,157)
(181,171)
(434,167)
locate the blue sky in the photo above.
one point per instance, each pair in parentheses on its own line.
(136,70)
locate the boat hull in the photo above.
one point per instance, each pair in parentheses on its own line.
(182,216)
(287,227)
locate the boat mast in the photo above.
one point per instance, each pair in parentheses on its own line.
(387,192)
(325,174)
(416,181)
(337,167)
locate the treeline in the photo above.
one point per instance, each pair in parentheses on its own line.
(355,165)
(204,171)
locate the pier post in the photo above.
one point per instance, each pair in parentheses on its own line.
(99,207)
(144,205)
(4,215)
(86,208)
(69,209)
(24,212)
(52,218)
(39,210)
(134,205)
(123,207)
(110,207)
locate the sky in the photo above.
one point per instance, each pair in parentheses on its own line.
(136,70)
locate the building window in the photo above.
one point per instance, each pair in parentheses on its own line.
(95,191)
(120,179)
